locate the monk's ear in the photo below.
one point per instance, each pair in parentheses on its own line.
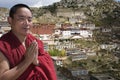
(9,19)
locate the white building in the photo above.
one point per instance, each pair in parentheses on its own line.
(74,32)
(79,56)
(108,46)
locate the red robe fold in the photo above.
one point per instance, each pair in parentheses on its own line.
(14,51)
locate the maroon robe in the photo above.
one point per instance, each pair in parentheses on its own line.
(14,51)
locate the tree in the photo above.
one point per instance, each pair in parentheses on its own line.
(52,9)
(63,53)
(54,52)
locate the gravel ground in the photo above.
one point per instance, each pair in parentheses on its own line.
(61,77)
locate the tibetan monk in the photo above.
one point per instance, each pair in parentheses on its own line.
(22,56)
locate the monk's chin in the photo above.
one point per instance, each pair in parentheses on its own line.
(25,33)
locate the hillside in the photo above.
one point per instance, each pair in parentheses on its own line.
(100,12)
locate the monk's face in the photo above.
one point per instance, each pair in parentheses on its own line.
(21,21)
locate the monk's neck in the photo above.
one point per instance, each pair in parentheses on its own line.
(21,38)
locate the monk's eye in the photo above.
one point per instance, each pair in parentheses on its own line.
(21,19)
(30,20)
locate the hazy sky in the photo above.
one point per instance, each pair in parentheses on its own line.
(33,3)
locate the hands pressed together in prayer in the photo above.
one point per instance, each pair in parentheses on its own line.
(31,54)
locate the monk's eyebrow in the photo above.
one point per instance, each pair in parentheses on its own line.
(21,16)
